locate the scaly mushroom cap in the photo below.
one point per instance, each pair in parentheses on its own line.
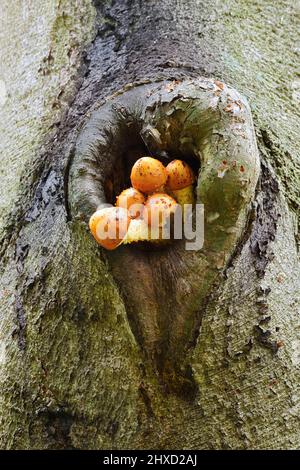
(180,175)
(132,200)
(158,208)
(148,175)
(109,226)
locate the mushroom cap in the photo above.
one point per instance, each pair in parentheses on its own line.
(180,175)
(158,208)
(148,175)
(132,200)
(109,226)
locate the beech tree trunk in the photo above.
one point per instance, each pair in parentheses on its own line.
(75,371)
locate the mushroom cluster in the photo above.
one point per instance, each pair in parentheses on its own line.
(142,211)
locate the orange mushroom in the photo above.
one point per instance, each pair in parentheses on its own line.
(180,181)
(109,226)
(132,200)
(131,219)
(148,175)
(112,227)
(158,209)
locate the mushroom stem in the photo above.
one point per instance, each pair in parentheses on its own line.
(184,196)
(138,231)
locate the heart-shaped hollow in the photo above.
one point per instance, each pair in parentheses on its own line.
(209,125)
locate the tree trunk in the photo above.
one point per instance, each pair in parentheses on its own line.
(76,368)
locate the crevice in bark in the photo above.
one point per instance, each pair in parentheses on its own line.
(266,219)
(48,190)
(57,425)
(21,323)
(203,122)
(279,156)
(146,400)
(263,336)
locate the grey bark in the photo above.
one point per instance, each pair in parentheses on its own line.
(73,373)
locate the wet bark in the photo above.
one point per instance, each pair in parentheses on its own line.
(73,373)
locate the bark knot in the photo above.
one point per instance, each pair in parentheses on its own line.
(207,124)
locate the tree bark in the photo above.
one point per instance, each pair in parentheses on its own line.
(73,371)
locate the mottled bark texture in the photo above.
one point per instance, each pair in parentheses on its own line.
(73,373)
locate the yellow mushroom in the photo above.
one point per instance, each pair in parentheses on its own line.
(148,175)
(158,210)
(180,182)
(132,200)
(109,226)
